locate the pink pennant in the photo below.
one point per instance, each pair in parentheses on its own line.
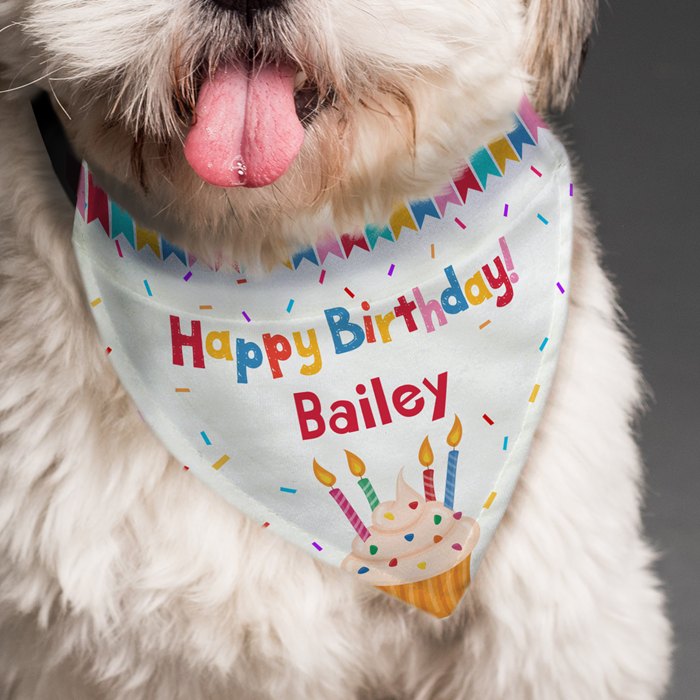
(447,196)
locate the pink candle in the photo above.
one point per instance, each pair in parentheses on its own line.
(350,513)
(328,479)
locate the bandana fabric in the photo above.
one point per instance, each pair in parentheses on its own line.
(374,399)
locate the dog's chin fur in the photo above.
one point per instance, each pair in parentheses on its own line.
(122,579)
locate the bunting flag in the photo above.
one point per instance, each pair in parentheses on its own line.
(170,249)
(306,254)
(97,205)
(354,240)
(146,237)
(502,151)
(447,196)
(483,166)
(467,182)
(530,118)
(122,224)
(93,203)
(422,209)
(520,137)
(400,219)
(327,246)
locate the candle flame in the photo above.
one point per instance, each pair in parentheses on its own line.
(323,475)
(356,465)
(455,435)
(425,454)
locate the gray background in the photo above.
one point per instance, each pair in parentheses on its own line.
(635,127)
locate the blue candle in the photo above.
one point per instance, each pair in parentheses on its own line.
(453,439)
(451,479)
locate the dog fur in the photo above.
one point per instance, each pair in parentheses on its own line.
(115,580)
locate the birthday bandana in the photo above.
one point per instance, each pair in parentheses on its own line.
(373,400)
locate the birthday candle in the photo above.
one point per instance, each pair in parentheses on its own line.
(357,468)
(328,479)
(453,439)
(425,456)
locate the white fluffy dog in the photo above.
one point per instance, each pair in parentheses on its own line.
(111,588)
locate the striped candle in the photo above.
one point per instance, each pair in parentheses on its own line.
(425,457)
(453,439)
(350,513)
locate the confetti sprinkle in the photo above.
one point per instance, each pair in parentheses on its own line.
(409,537)
(349,292)
(265,524)
(460,224)
(561,289)
(543,345)
(182,390)
(290,305)
(206,307)
(536,171)
(505,210)
(245,316)
(391,269)
(505,443)
(421,565)
(437,519)
(389,516)
(185,468)
(220,462)
(188,276)
(413,505)
(373,549)
(484,324)
(322,277)
(95,302)
(108,350)
(533,394)
(286,489)
(457,547)
(317,546)
(393,562)
(437,539)
(119,249)
(457,515)
(241,281)
(487,419)
(490,499)
(543,220)
(148,288)
(205,437)
(571,189)
(364,569)
(432,251)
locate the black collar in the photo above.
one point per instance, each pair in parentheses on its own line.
(64,161)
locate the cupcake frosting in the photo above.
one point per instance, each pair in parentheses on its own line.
(411,540)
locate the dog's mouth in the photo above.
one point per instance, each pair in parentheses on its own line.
(249,123)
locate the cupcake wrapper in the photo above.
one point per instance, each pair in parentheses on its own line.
(438,595)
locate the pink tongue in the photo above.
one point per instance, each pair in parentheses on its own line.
(247,131)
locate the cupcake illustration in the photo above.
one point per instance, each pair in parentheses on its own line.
(416,548)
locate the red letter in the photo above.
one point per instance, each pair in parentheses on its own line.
(278,349)
(179,340)
(312,414)
(403,395)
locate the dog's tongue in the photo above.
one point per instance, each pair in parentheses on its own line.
(247,131)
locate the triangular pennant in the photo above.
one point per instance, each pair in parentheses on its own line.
(483,166)
(373,234)
(501,152)
(447,196)
(467,182)
(520,137)
(80,201)
(354,240)
(97,205)
(423,208)
(122,224)
(287,263)
(327,245)
(400,219)
(170,249)
(306,254)
(530,118)
(146,237)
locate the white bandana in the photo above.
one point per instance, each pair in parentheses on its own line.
(374,399)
